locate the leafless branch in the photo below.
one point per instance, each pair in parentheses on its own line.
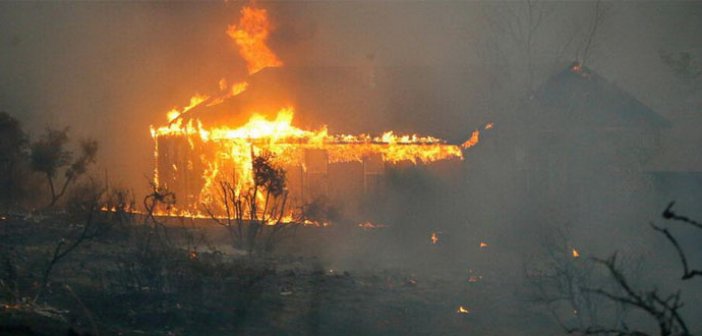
(600,14)
(669,214)
(664,310)
(61,250)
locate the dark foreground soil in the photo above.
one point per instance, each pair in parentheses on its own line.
(319,281)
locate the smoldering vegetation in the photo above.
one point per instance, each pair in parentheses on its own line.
(559,221)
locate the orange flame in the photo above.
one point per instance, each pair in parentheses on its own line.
(195,100)
(434,238)
(575,253)
(230,148)
(238,88)
(474,139)
(250,34)
(483,244)
(370,226)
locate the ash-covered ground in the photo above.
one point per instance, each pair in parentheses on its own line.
(194,283)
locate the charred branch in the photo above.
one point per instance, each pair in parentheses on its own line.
(159,196)
(665,310)
(688,273)
(669,214)
(63,248)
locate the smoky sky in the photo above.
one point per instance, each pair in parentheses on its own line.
(111,69)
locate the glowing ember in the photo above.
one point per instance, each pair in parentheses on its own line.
(434,238)
(483,244)
(575,253)
(370,226)
(576,67)
(462,310)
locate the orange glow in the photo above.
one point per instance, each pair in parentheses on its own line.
(474,139)
(238,88)
(370,226)
(575,253)
(489,126)
(576,67)
(195,100)
(250,35)
(462,310)
(483,244)
(233,147)
(434,238)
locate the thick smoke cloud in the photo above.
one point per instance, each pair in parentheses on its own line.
(111,69)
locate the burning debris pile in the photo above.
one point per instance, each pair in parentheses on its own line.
(192,157)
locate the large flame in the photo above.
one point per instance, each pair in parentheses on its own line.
(250,35)
(230,149)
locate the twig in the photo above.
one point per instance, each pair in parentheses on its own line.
(687,273)
(87,312)
(669,214)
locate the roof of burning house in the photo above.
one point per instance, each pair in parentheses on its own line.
(348,99)
(319,93)
(579,94)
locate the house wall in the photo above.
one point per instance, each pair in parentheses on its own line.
(182,162)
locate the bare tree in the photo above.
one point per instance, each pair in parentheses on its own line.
(159,198)
(688,273)
(560,280)
(514,33)
(526,41)
(663,309)
(84,212)
(250,212)
(600,14)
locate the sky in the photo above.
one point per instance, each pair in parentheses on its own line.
(110,69)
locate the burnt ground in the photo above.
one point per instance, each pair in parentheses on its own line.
(338,280)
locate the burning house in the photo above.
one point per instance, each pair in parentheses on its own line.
(216,138)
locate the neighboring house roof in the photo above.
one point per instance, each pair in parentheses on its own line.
(580,94)
(678,153)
